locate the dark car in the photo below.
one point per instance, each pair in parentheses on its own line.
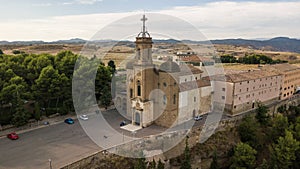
(69,121)
(12,136)
(123,123)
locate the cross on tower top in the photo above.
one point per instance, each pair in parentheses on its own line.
(144,19)
(144,31)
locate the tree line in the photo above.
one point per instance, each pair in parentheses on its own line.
(264,141)
(250,59)
(268,142)
(44,82)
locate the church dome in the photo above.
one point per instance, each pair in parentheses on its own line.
(170,67)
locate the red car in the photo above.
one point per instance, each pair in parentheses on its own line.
(12,136)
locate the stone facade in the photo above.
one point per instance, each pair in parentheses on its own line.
(290,78)
(240,92)
(167,94)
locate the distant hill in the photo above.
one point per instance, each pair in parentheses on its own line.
(70,41)
(283,44)
(276,44)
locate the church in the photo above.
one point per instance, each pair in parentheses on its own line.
(167,94)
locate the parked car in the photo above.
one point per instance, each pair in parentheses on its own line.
(12,136)
(198,117)
(83,117)
(46,123)
(123,123)
(69,121)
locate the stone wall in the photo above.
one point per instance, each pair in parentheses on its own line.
(194,137)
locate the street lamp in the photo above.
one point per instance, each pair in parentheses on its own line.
(50,163)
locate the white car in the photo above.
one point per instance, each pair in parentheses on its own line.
(198,117)
(83,117)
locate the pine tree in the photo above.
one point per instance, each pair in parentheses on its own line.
(214,163)
(160,165)
(284,152)
(152,164)
(141,163)
(187,157)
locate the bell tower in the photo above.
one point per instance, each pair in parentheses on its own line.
(144,79)
(143,46)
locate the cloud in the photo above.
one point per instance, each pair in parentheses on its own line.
(42,4)
(81,2)
(243,19)
(215,20)
(88,2)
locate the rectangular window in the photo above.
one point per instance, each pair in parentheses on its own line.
(174,99)
(131,93)
(139,90)
(223,89)
(223,97)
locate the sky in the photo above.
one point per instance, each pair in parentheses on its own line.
(51,20)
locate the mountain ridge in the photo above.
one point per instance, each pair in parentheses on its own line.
(284,44)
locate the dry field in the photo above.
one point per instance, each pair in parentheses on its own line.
(123,52)
(240,51)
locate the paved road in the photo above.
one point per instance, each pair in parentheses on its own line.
(61,143)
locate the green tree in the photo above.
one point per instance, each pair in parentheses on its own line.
(141,163)
(279,125)
(297,129)
(248,131)
(112,65)
(214,164)
(65,62)
(160,165)
(16,52)
(263,165)
(282,109)
(21,116)
(152,165)
(48,85)
(243,157)
(262,115)
(105,98)
(228,59)
(37,111)
(284,152)
(1,52)
(11,92)
(186,164)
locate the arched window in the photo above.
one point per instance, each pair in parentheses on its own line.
(138,88)
(165,99)
(138,53)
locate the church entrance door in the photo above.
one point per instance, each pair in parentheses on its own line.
(137,118)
